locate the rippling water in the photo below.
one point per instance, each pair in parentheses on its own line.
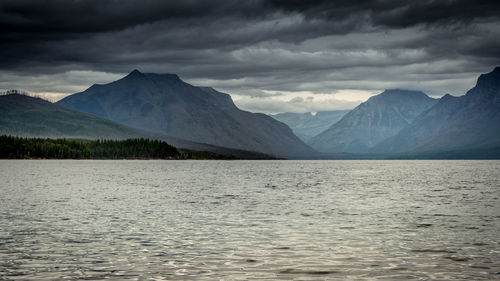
(206,220)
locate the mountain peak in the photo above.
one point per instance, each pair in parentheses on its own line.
(490,80)
(398,95)
(163,103)
(447,98)
(487,86)
(157,77)
(135,73)
(165,77)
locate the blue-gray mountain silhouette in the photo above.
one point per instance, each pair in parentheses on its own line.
(466,122)
(33,117)
(27,116)
(379,118)
(164,103)
(307,125)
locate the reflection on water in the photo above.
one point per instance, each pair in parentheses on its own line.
(303,220)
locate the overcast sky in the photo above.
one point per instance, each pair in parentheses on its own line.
(271,56)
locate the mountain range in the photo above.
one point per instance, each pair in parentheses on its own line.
(307,125)
(380,117)
(394,124)
(165,104)
(466,122)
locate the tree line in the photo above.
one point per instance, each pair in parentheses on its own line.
(31,148)
(14,92)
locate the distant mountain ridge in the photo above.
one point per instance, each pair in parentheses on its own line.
(396,124)
(380,117)
(27,116)
(307,125)
(466,122)
(164,103)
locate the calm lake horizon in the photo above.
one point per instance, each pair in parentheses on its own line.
(250,219)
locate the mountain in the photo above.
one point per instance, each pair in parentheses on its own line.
(379,118)
(164,103)
(33,117)
(28,116)
(307,125)
(468,122)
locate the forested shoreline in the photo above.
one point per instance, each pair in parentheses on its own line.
(12,147)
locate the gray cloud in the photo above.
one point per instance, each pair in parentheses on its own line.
(251,48)
(296,104)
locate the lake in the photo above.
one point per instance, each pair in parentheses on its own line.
(237,220)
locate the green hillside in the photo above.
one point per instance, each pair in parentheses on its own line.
(29,116)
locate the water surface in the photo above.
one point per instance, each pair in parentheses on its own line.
(270,220)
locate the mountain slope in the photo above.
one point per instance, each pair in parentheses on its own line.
(306,125)
(164,103)
(467,122)
(33,117)
(28,116)
(379,118)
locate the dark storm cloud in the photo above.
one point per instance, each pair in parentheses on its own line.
(66,18)
(250,46)
(40,31)
(396,14)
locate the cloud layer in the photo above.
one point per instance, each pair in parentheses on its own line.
(301,49)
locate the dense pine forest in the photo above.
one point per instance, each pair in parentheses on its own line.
(39,148)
